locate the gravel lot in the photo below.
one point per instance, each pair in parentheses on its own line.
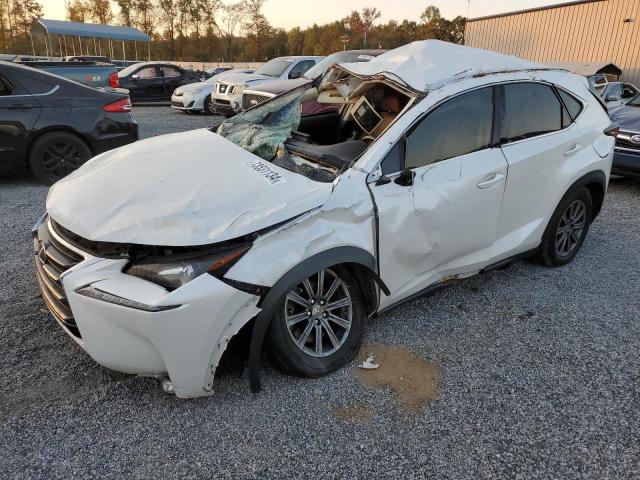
(539,378)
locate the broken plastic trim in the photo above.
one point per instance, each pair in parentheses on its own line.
(92,292)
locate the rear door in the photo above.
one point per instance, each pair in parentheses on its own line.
(173,78)
(544,147)
(19,111)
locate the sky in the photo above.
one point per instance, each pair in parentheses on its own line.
(290,13)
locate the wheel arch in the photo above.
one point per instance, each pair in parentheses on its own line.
(596,183)
(360,262)
(53,129)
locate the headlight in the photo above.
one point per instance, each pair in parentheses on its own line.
(174,272)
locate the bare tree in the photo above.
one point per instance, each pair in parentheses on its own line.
(77,10)
(168,10)
(210,8)
(100,11)
(144,15)
(256,24)
(233,16)
(362,22)
(126,13)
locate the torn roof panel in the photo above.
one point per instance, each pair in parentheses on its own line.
(423,65)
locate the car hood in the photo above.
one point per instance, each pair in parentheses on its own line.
(280,86)
(200,86)
(627,118)
(183,189)
(234,78)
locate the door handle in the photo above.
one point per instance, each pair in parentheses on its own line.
(492,181)
(574,148)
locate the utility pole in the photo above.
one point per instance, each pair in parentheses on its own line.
(345,39)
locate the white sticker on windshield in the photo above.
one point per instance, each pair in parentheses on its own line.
(266,173)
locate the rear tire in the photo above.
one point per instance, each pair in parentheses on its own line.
(56,154)
(316,331)
(567,228)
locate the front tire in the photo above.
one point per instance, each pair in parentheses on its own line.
(209,107)
(319,324)
(56,154)
(567,228)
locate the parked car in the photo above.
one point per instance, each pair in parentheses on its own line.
(154,81)
(92,74)
(626,160)
(196,97)
(51,126)
(86,58)
(227,95)
(395,195)
(616,94)
(267,90)
(218,70)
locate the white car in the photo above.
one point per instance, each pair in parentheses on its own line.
(227,96)
(443,162)
(196,97)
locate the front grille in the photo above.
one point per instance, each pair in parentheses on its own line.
(623,139)
(250,100)
(52,259)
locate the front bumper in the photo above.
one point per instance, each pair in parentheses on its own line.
(187,102)
(626,161)
(227,104)
(185,341)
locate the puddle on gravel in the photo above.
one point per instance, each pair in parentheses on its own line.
(414,379)
(355,413)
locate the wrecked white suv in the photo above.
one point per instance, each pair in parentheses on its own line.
(439,162)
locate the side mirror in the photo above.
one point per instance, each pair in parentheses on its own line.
(405,179)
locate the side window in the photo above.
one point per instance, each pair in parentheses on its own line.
(35,86)
(149,72)
(531,109)
(629,91)
(6,88)
(573,105)
(615,91)
(460,126)
(170,72)
(301,68)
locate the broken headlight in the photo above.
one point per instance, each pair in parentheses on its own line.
(173,273)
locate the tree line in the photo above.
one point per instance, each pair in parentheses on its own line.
(225,31)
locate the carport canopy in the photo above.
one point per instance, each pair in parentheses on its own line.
(78,29)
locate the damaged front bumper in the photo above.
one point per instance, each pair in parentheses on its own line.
(134,326)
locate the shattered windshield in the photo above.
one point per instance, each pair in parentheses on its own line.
(275,67)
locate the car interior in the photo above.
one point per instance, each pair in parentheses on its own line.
(325,145)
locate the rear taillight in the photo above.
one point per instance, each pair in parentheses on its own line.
(114,80)
(612,130)
(121,106)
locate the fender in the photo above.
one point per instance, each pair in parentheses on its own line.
(269,303)
(597,176)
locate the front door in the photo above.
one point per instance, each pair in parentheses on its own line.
(148,85)
(439,213)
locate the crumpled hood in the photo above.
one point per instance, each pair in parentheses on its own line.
(232,78)
(183,189)
(627,118)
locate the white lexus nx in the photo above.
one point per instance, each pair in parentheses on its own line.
(438,162)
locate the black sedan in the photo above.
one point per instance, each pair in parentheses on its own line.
(626,159)
(154,81)
(50,125)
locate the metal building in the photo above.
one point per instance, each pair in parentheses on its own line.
(587,31)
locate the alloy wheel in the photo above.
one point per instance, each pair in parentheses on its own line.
(60,159)
(571,228)
(319,313)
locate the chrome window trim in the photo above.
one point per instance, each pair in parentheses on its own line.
(53,90)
